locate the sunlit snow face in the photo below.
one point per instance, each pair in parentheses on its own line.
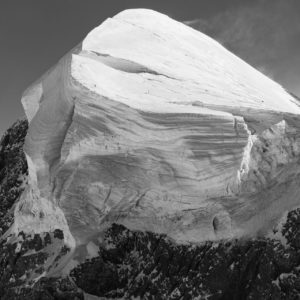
(160,128)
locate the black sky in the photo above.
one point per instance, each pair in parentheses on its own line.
(34,34)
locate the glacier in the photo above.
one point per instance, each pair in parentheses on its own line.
(153,125)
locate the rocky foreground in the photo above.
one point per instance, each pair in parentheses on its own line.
(142,265)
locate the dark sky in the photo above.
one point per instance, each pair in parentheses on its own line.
(34,34)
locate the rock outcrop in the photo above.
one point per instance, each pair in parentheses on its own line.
(159,165)
(13,171)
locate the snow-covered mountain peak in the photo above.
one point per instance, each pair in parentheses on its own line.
(153,125)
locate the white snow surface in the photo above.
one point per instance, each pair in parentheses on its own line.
(151,124)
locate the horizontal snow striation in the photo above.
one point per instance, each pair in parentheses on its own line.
(122,161)
(119,63)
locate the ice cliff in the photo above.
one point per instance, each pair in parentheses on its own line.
(155,126)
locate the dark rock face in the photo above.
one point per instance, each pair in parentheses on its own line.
(136,264)
(46,289)
(141,264)
(13,170)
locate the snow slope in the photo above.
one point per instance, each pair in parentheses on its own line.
(151,124)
